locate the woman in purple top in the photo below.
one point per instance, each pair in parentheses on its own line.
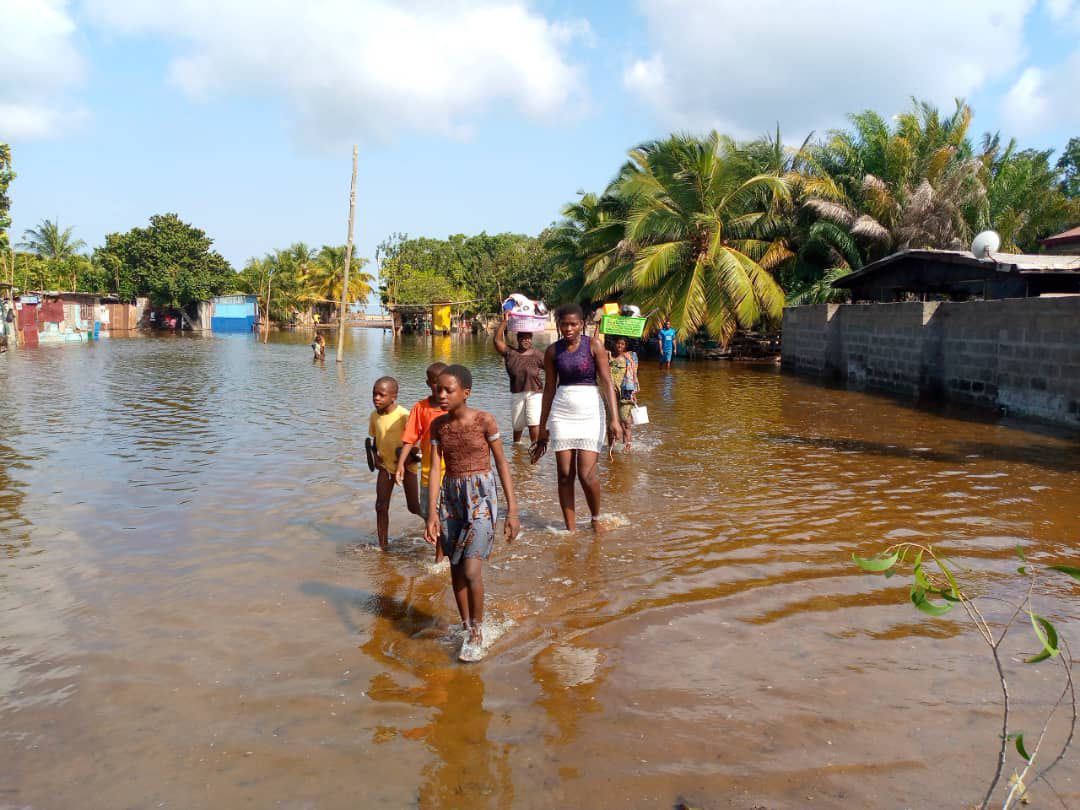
(571,418)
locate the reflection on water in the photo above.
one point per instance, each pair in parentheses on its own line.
(194,614)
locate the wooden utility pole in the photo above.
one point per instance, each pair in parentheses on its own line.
(266,327)
(348,261)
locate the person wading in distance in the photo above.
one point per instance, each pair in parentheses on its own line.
(668,343)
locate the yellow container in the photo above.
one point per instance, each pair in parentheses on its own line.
(440,318)
(611,309)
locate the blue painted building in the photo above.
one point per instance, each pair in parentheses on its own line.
(234,313)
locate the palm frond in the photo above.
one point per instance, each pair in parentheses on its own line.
(869,228)
(832,211)
(655,263)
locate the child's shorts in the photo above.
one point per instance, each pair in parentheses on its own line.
(468,509)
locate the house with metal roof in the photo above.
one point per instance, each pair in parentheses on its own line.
(957,275)
(1064,243)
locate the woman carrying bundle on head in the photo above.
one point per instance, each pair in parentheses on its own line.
(576,378)
(624,377)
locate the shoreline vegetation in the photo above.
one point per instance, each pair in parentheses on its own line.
(717,234)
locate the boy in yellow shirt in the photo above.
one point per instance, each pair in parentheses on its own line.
(386,427)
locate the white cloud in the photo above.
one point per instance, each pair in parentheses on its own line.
(1044,98)
(741,67)
(38,64)
(371,68)
(1059,9)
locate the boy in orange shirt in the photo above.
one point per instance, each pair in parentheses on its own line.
(418,432)
(385,429)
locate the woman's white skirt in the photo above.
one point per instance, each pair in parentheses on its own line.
(577,421)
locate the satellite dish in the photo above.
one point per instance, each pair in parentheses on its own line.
(984,244)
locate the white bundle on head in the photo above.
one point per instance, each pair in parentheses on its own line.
(522,305)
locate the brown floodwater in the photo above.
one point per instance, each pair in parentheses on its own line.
(192,613)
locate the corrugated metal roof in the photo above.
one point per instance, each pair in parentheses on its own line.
(1001,262)
(1071,235)
(1042,263)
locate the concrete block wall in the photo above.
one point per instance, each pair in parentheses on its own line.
(1020,356)
(808,329)
(881,347)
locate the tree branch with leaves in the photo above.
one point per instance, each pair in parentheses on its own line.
(935,591)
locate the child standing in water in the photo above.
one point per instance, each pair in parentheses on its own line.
(464,505)
(418,432)
(385,428)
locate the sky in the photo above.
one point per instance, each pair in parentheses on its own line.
(240,115)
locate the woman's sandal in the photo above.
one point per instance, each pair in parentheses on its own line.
(472,650)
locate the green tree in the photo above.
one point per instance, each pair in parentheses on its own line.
(584,249)
(300,277)
(59,248)
(6,176)
(533,274)
(491,266)
(861,192)
(483,268)
(812,250)
(1024,202)
(286,269)
(252,279)
(424,288)
(322,281)
(1068,165)
(401,258)
(170,261)
(50,242)
(34,272)
(697,226)
(290,291)
(914,185)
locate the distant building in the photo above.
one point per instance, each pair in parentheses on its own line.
(234,313)
(117,316)
(1064,243)
(955,275)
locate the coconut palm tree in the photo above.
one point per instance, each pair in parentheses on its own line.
(816,247)
(290,267)
(695,224)
(586,245)
(50,242)
(58,247)
(322,281)
(6,176)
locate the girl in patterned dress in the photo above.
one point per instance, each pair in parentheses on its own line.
(463,503)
